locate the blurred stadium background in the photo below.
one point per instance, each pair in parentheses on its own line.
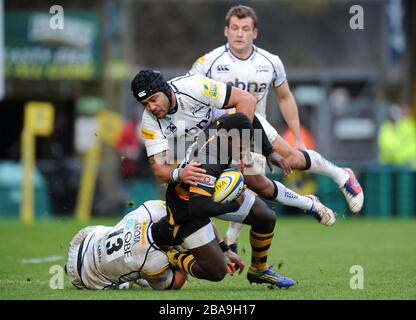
(345,82)
(70,90)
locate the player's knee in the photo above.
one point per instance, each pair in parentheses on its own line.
(296,160)
(261,217)
(218,275)
(266,221)
(260,185)
(216,271)
(270,217)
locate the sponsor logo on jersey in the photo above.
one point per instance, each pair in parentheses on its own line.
(128,256)
(197,128)
(129,224)
(171,128)
(148,134)
(180,102)
(249,86)
(201,125)
(202,59)
(262,68)
(223,68)
(196,108)
(137,233)
(211,88)
(207,181)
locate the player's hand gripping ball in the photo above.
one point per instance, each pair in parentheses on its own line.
(229,186)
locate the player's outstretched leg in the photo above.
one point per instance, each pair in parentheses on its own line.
(353,192)
(312,161)
(275,191)
(322,214)
(343,177)
(262,220)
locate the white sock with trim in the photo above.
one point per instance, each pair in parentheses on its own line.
(324,167)
(287,197)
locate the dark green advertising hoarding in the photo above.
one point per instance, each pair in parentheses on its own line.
(35,50)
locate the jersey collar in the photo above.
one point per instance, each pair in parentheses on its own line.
(175,108)
(250,57)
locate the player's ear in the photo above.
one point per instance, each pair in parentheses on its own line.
(255,34)
(226,31)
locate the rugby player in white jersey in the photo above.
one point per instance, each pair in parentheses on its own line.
(243,65)
(179,109)
(101,257)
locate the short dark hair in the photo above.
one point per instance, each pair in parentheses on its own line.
(241,12)
(237,121)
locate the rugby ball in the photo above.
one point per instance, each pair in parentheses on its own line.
(229,186)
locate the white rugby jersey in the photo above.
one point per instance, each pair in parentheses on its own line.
(114,255)
(254,74)
(198,100)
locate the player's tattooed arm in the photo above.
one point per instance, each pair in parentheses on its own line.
(159,166)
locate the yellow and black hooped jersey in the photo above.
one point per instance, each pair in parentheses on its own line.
(207,151)
(254,74)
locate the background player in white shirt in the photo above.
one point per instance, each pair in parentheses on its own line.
(242,64)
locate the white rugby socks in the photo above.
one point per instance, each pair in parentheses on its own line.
(320,165)
(284,196)
(233,232)
(287,197)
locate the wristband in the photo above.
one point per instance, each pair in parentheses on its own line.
(175,174)
(224,247)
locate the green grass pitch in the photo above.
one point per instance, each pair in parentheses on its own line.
(319,258)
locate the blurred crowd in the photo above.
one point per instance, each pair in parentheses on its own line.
(397,138)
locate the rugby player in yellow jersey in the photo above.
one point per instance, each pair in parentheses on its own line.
(190,207)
